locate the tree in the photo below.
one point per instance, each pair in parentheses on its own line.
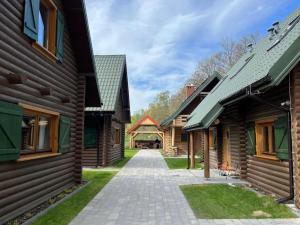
(159,109)
(230,52)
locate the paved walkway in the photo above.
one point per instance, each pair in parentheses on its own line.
(145,192)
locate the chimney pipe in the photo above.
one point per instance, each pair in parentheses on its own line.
(250,47)
(271,33)
(190,88)
(276,27)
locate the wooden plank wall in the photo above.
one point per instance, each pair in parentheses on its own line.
(269,175)
(182,146)
(295,100)
(115,152)
(233,119)
(213,159)
(167,141)
(89,157)
(199,143)
(26,184)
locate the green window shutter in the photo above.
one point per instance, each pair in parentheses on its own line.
(90,137)
(64,134)
(214,131)
(60,36)
(281,137)
(10,131)
(251,140)
(31,18)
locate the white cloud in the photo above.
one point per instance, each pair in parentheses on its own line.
(164,39)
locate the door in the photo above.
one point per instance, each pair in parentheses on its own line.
(226,147)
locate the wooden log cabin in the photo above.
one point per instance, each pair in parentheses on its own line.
(146,133)
(253,115)
(175,137)
(44,65)
(105,125)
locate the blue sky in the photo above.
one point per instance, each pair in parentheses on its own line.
(165,39)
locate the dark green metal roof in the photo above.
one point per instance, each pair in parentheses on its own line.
(270,58)
(187,101)
(110,72)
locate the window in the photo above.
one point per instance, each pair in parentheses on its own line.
(46,34)
(265,138)
(117,136)
(184,137)
(39,130)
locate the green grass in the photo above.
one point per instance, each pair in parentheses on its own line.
(63,213)
(221,201)
(129,153)
(181,163)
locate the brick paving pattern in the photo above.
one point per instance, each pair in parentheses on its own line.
(145,192)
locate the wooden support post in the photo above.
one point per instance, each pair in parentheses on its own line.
(173,136)
(163,140)
(130,141)
(206,154)
(13,78)
(192,150)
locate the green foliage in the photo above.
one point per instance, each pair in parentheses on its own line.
(63,213)
(222,201)
(181,163)
(159,109)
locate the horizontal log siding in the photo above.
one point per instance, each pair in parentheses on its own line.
(168,142)
(233,119)
(26,184)
(295,99)
(213,159)
(269,175)
(115,152)
(182,146)
(89,157)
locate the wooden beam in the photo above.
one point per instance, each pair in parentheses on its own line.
(66,99)
(147,132)
(13,78)
(46,91)
(192,150)
(206,154)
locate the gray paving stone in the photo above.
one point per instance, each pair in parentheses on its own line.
(146,192)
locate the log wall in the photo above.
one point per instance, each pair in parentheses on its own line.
(269,175)
(24,185)
(295,100)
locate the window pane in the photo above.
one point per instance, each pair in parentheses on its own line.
(28,130)
(43,21)
(44,133)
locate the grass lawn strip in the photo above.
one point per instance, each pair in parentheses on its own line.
(222,201)
(180,163)
(66,211)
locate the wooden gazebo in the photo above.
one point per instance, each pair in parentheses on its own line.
(143,129)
